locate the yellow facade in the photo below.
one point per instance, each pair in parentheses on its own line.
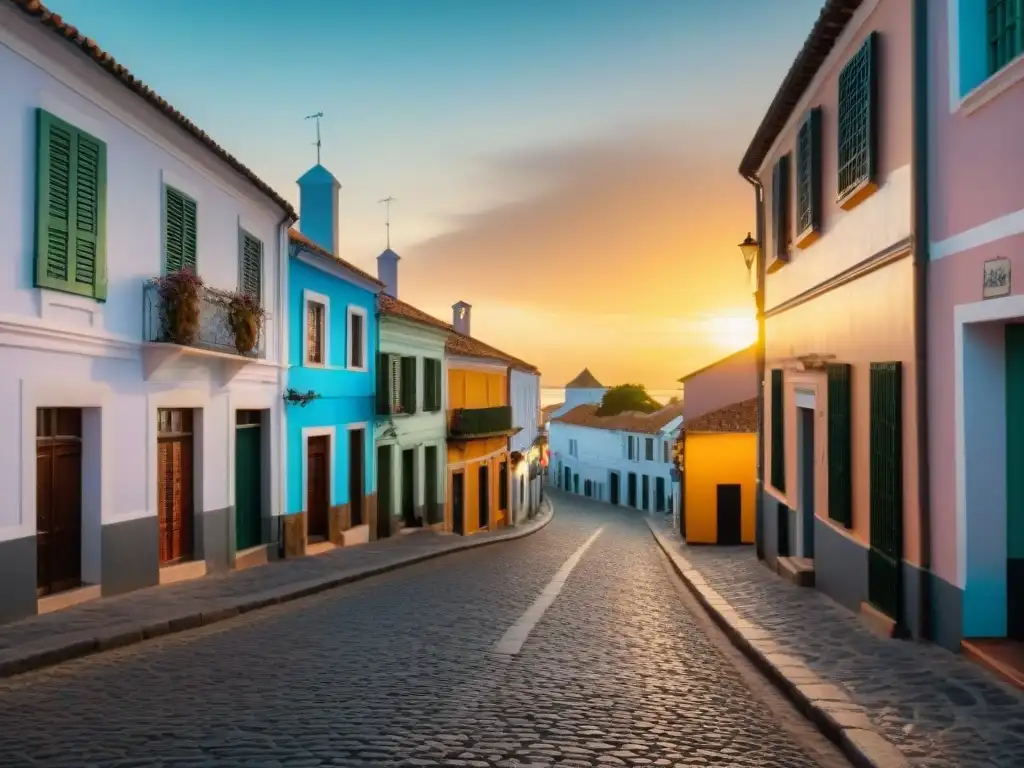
(712,459)
(477,389)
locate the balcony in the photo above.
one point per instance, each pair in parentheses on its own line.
(472,423)
(212,340)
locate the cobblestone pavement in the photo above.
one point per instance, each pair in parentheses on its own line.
(941,710)
(399,670)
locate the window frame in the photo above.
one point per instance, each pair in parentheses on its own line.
(351,311)
(312,297)
(243,233)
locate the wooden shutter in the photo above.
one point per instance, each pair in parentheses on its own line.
(251,267)
(428,384)
(840,500)
(355,329)
(780,212)
(408,388)
(71,179)
(857,123)
(383,384)
(395,382)
(808,170)
(778,434)
(180,231)
(438,385)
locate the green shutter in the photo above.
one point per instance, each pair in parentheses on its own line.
(180,231)
(885,557)
(71,187)
(840,499)
(383,384)
(409,385)
(857,118)
(428,384)
(780,212)
(251,266)
(778,432)
(808,173)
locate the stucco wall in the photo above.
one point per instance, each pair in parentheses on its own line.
(525,402)
(732,380)
(711,460)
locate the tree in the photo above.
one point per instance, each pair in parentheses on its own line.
(672,400)
(627,397)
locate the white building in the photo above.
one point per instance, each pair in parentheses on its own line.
(102,426)
(585,389)
(624,460)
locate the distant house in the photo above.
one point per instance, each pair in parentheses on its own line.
(624,459)
(584,389)
(729,380)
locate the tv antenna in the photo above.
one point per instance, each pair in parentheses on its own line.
(317,117)
(387,220)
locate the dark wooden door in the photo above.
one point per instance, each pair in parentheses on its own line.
(503,486)
(484,495)
(409,487)
(248,480)
(175,488)
(728,511)
(568,474)
(885,557)
(631,489)
(613,488)
(318,478)
(659,494)
(459,503)
(383,491)
(356,473)
(430,483)
(645,502)
(58,499)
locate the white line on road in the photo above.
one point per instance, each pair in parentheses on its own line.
(512,641)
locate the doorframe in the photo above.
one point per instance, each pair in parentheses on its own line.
(450,503)
(369,465)
(198,402)
(266,471)
(330,434)
(271,456)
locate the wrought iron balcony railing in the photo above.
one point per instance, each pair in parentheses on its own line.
(472,422)
(214,331)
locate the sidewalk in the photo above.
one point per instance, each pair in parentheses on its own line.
(866,692)
(40,641)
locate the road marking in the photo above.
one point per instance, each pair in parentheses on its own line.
(512,641)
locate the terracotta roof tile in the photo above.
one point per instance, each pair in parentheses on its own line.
(300,239)
(630,421)
(393,307)
(584,380)
(54,22)
(547,410)
(459,344)
(738,417)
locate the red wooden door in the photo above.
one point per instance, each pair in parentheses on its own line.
(317,486)
(58,499)
(174,484)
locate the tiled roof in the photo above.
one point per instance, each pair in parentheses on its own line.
(300,239)
(738,417)
(58,26)
(459,344)
(584,380)
(630,421)
(393,307)
(547,410)
(709,366)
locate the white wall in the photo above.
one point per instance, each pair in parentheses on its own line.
(59,349)
(575,397)
(524,391)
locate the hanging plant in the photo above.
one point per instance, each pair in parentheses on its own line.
(301,399)
(245,316)
(180,305)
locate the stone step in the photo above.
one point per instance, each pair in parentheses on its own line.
(799,570)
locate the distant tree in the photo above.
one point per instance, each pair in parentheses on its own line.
(672,400)
(627,397)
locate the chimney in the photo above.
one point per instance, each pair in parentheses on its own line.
(460,317)
(318,207)
(387,271)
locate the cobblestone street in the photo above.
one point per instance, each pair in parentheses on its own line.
(400,670)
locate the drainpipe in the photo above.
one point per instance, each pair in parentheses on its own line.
(919,203)
(759,292)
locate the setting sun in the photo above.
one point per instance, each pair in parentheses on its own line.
(732,332)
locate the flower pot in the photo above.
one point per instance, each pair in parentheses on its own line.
(246,328)
(183,319)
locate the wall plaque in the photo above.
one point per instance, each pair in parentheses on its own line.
(996,279)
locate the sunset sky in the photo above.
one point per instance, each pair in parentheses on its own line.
(568,167)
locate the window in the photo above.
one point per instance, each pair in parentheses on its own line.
(808,177)
(778,437)
(649,449)
(1004,31)
(858,120)
(355,345)
(390,390)
(180,231)
(317,328)
(71,209)
(250,265)
(573,448)
(840,501)
(666,449)
(781,231)
(431,384)
(407,385)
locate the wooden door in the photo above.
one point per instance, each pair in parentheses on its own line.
(459,503)
(383,491)
(659,494)
(248,480)
(318,478)
(58,499)
(631,489)
(356,469)
(408,487)
(174,484)
(484,495)
(430,483)
(613,488)
(728,511)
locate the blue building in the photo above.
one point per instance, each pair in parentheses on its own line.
(329,404)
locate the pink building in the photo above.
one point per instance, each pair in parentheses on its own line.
(732,379)
(976,321)
(834,166)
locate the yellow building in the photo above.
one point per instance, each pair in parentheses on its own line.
(719,459)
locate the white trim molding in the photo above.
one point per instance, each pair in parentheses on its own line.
(188,399)
(1009,225)
(351,311)
(307,297)
(328,432)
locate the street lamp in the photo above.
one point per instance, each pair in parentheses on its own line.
(749,248)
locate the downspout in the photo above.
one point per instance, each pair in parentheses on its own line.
(919,203)
(282,373)
(759,291)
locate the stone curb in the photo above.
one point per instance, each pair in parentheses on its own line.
(61,648)
(826,705)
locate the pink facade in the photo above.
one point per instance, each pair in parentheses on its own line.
(730,380)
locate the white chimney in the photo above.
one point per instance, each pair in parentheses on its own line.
(387,271)
(460,317)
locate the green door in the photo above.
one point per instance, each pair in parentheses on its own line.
(248,485)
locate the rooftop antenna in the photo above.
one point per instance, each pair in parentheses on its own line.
(317,117)
(387,221)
